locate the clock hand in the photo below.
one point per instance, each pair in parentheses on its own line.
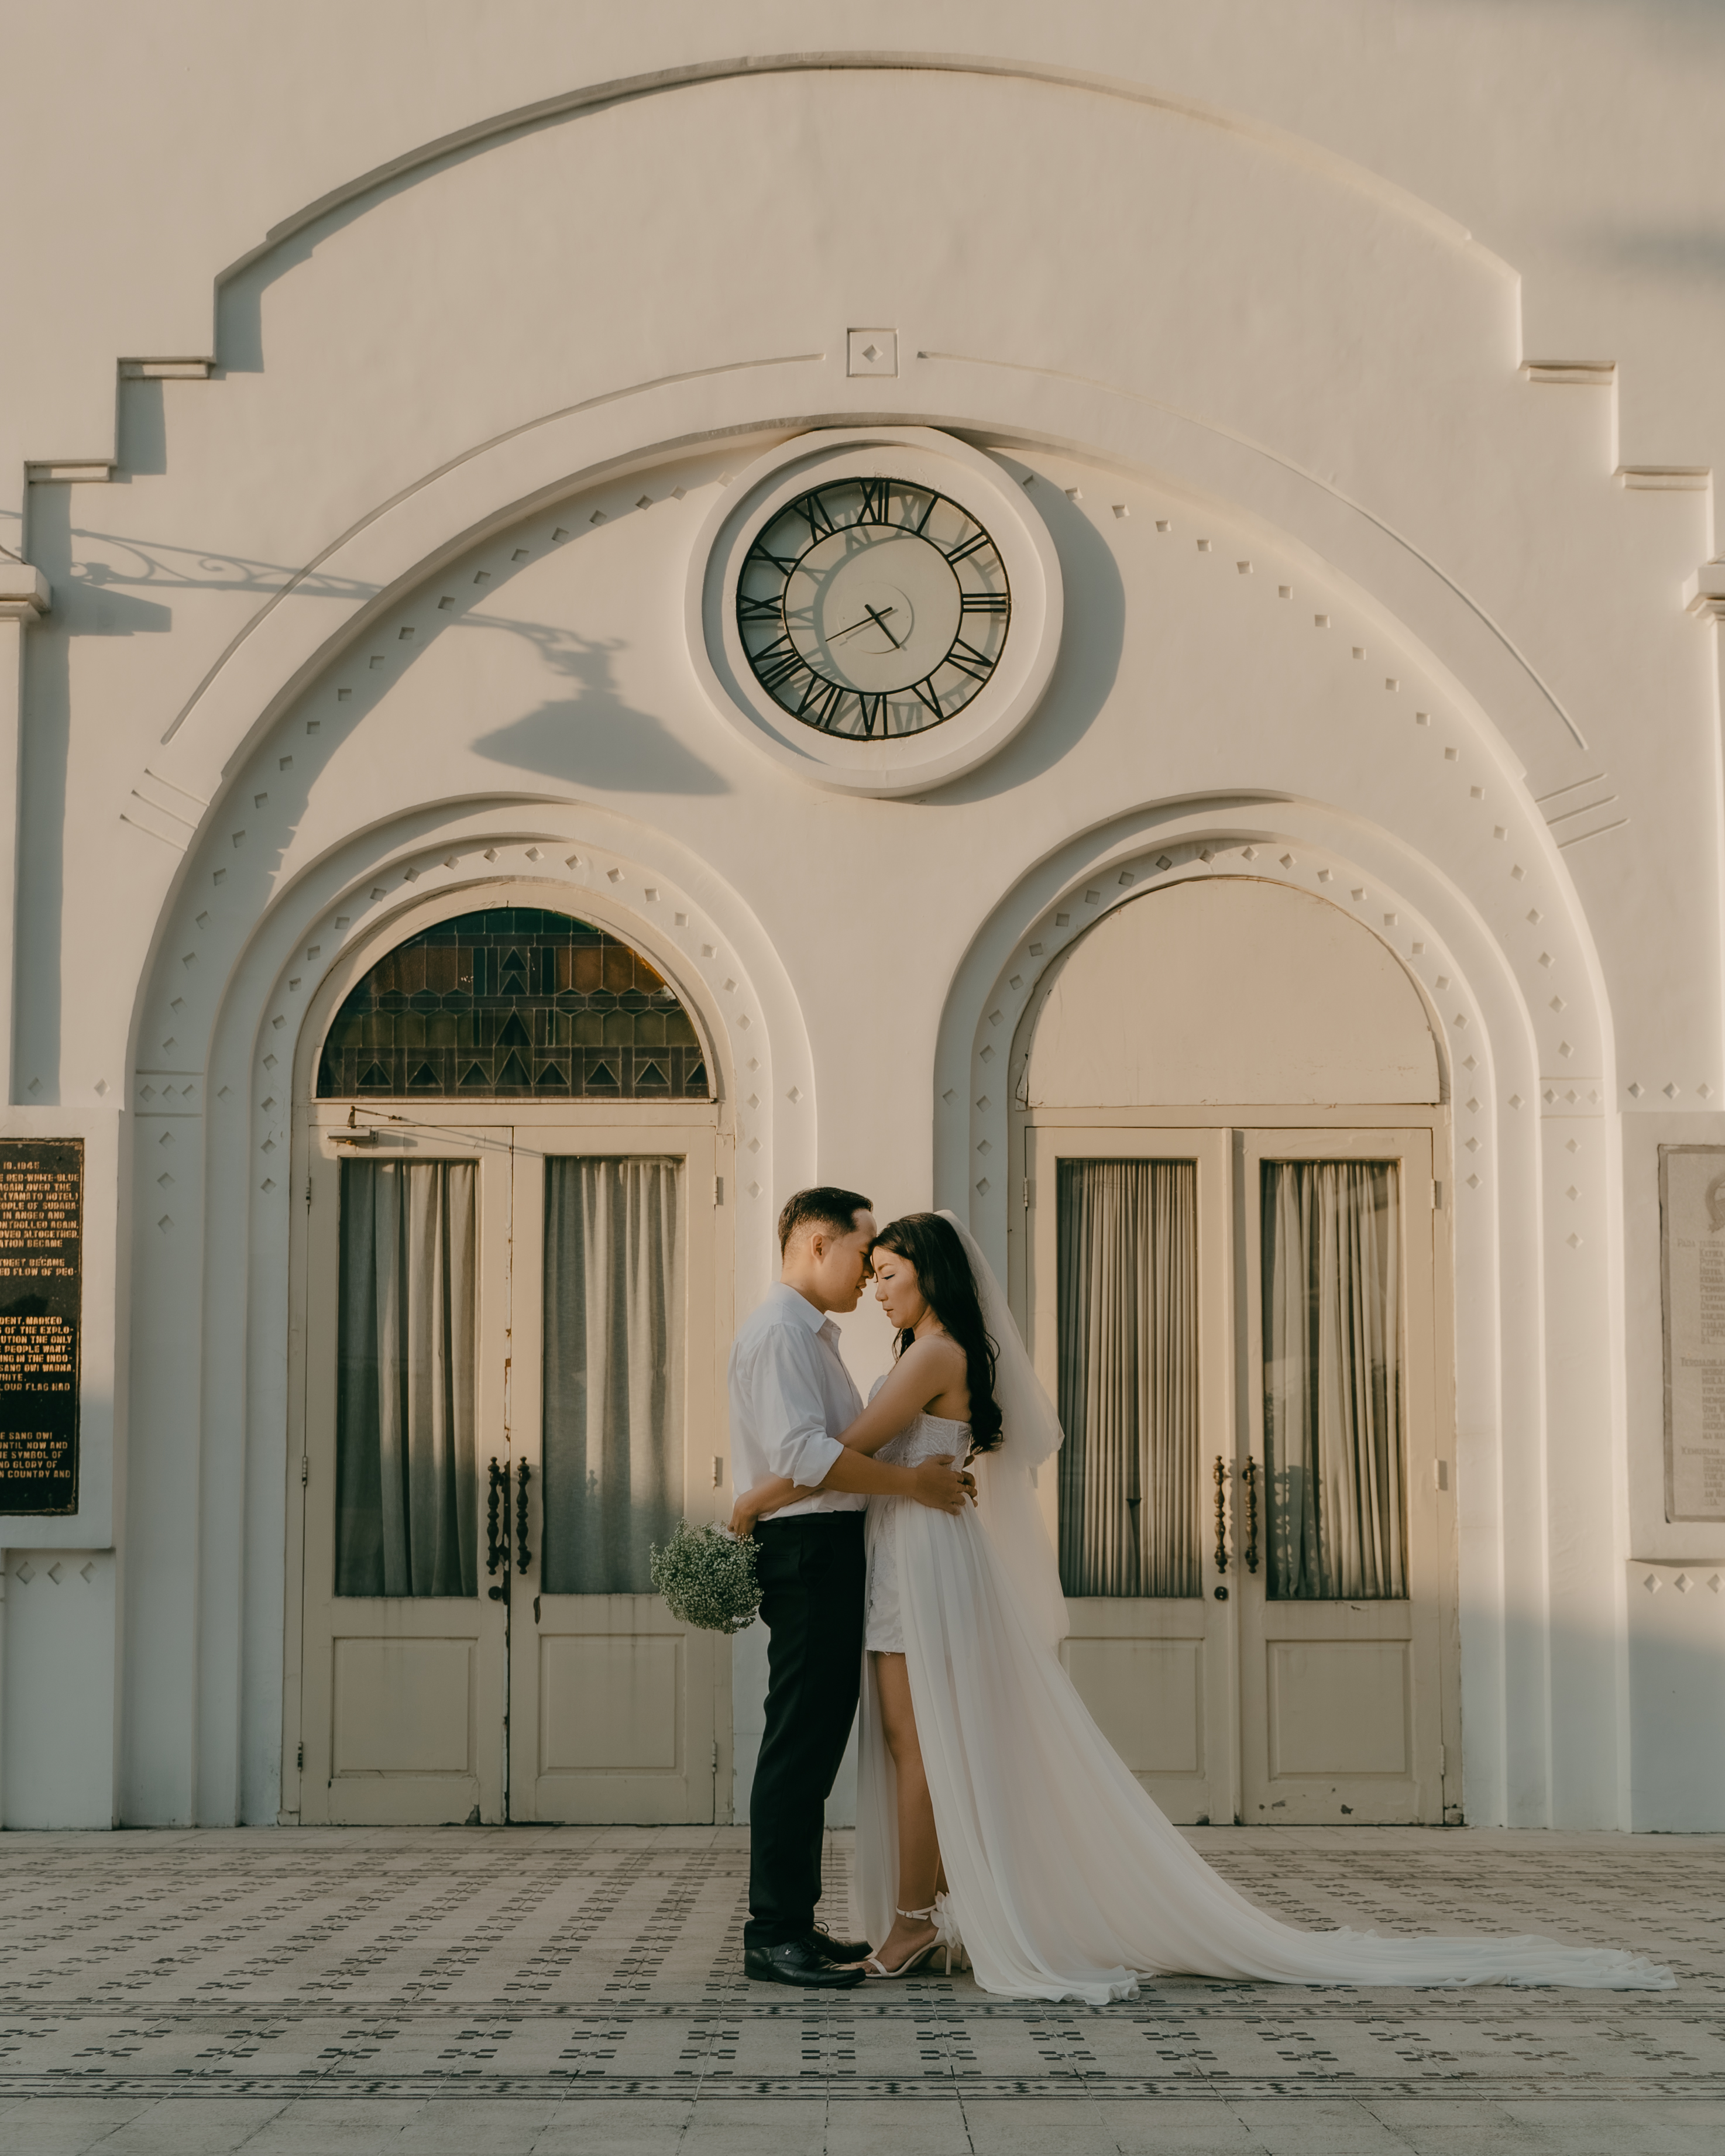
(878,621)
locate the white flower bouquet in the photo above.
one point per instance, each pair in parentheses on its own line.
(707,1577)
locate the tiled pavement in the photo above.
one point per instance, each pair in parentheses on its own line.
(550,1989)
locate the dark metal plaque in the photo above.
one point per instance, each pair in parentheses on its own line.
(41,1307)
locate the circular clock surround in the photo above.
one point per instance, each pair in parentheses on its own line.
(877,607)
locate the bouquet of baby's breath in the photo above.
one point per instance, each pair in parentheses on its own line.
(707,1577)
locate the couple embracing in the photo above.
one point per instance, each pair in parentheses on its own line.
(903,1560)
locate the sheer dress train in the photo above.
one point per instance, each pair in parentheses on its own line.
(1066,1880)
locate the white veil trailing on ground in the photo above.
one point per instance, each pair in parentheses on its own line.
(1065,1880)
(1008,1503)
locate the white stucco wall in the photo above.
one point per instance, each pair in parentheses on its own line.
(1243,301)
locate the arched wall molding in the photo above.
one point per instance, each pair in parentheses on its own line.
(1509,1218)
(368,570)
(995,992)
(196,1390)
(700,930)
(1396,571)
(571,104)
(1317,1010)
(378,567)
(1432,724)
(210,1439)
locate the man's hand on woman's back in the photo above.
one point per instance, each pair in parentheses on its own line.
(942,1486)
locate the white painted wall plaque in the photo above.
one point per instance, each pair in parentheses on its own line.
(1691,1230)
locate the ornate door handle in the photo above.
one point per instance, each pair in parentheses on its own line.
(523,1475)
(1249,1476)
(497,1527)
(1220,1477)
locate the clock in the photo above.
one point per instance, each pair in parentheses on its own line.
(873,606)
(877,609)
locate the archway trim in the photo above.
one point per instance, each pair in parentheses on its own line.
(594,97)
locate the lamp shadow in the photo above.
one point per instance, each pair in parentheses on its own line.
(592,736)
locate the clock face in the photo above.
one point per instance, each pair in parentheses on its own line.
(873,607)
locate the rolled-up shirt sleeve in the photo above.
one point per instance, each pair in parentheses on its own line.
(789,1410)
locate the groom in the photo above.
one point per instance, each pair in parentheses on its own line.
(791,1396)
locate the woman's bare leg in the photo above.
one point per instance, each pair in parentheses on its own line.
(919,1852)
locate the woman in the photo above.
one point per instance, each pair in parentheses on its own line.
(987,1798)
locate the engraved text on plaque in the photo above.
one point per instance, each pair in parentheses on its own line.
(41,1283)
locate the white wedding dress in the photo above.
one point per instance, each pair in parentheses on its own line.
(1066,1881)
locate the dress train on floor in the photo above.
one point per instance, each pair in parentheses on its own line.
(1066,1880)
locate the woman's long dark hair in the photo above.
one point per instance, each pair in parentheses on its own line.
(932,1246)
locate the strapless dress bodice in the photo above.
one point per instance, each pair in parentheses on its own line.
(928,1438)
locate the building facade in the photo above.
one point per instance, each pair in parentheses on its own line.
(1114,630)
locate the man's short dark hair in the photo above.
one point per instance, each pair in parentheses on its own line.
(824,1208)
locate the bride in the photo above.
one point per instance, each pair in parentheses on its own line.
(993,1817)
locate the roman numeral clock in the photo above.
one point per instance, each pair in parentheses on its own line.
(878,609)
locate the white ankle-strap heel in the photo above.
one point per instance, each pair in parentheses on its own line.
(876,1967)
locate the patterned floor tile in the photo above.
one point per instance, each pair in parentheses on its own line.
(301,1984)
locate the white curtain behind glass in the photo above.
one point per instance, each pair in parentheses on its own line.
(1333,1385)
(1130,1484)
(406,1521)
(614,1371)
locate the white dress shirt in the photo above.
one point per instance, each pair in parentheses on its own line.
(790,1396)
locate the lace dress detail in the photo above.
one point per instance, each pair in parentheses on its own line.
(929,1437)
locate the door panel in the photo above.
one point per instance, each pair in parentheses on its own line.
(403,1696)
(624,1713)
(1341,1706)
(611,1702)
(1156,1671)
(402,1706)
(617,1713)
(1292,1698)
(1148,1693)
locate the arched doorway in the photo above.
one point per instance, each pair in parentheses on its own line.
(511,1300)
(1232,1257)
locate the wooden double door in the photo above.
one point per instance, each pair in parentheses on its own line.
(507,1377)
(1244,1327)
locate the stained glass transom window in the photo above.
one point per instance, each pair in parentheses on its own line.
(513,1003)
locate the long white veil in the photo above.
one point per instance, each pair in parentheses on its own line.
(1064,1878)
(1007,1501)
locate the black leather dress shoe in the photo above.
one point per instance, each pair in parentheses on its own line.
(838,1950)
(796,1962)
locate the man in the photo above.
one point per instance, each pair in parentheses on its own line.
(791,1396)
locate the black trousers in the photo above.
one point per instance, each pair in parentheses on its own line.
(813,1576)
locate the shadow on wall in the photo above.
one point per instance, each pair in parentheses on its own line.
(1675,22)
(1695,254)
(1092,638)
(142,436)
(590,737)
(593,736)
(1676,1666)
(44,752)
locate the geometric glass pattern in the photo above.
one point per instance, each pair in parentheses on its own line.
(513,1003)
